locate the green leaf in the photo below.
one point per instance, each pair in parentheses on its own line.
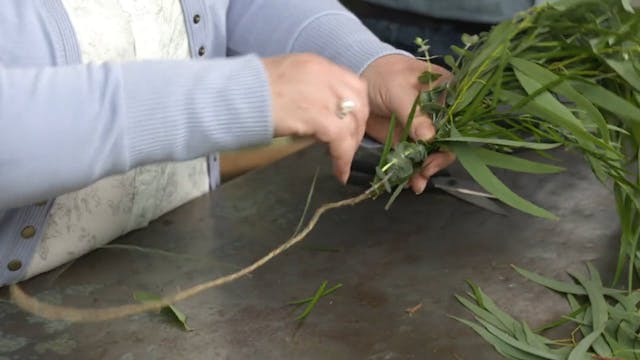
(388,143)
(450,61)
(559,286)
(596,299)
(540,352)
(483,176)
(580,351)
(310,299)
(307,203)
(508,323)
(171,310)
(500,36)
(564,5)
(503,348)
(493,141)
(535,71)
(613,103)
(469,39)
(481,312)
(470,94)
(545,99)
(313,302)
(428,77)
(543,111)
(395,194)
(514,163)
(626,4)
(626,70)
(409,123)
(563,320)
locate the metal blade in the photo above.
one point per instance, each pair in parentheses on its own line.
(476,200)
(463,186)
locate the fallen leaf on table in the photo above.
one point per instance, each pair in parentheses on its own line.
(170,310)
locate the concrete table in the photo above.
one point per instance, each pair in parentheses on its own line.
(419,252)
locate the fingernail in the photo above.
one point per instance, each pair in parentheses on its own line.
(421,187)
(424,132)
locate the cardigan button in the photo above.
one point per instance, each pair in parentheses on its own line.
(28,232)
(196,18)
(201,51)
(14,265)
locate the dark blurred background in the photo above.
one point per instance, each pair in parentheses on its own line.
(442,22)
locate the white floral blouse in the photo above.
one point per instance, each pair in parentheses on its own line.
(120,30)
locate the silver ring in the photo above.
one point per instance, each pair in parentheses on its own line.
(346,106)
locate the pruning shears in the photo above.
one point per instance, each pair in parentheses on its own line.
(363,171)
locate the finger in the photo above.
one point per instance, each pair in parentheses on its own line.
(445,76)
(433,164)
(344,136)
(355,89)
(437,162)
(342,153)
(422,127)
(418,183)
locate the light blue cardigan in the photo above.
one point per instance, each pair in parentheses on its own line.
(64,125)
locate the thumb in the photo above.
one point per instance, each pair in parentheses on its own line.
(422,127)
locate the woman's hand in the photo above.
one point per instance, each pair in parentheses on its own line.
(393,86)
(306,92)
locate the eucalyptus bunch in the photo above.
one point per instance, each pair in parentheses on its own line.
(566,73)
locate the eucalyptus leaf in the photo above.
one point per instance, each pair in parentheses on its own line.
(580,351)
(481,174)
(510,143)
(626,70)
(514,163)
(627,6)
(543,352)
(560,286)
(502,347)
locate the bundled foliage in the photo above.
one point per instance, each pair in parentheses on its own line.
(562,74)
(566,73)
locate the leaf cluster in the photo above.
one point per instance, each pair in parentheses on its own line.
(605,322)
(566,73)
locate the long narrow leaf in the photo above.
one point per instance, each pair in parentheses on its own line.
(502,347)
(511,143)
(559,286)
(313,302)
(388,143)
(481,174)
(580,351)
(535,71)
(514,163)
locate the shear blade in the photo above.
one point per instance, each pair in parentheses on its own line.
(476,200)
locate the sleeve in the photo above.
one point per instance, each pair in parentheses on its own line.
(323,27)
(62,128)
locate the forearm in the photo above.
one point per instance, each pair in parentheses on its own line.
(62,128)
(323,27)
